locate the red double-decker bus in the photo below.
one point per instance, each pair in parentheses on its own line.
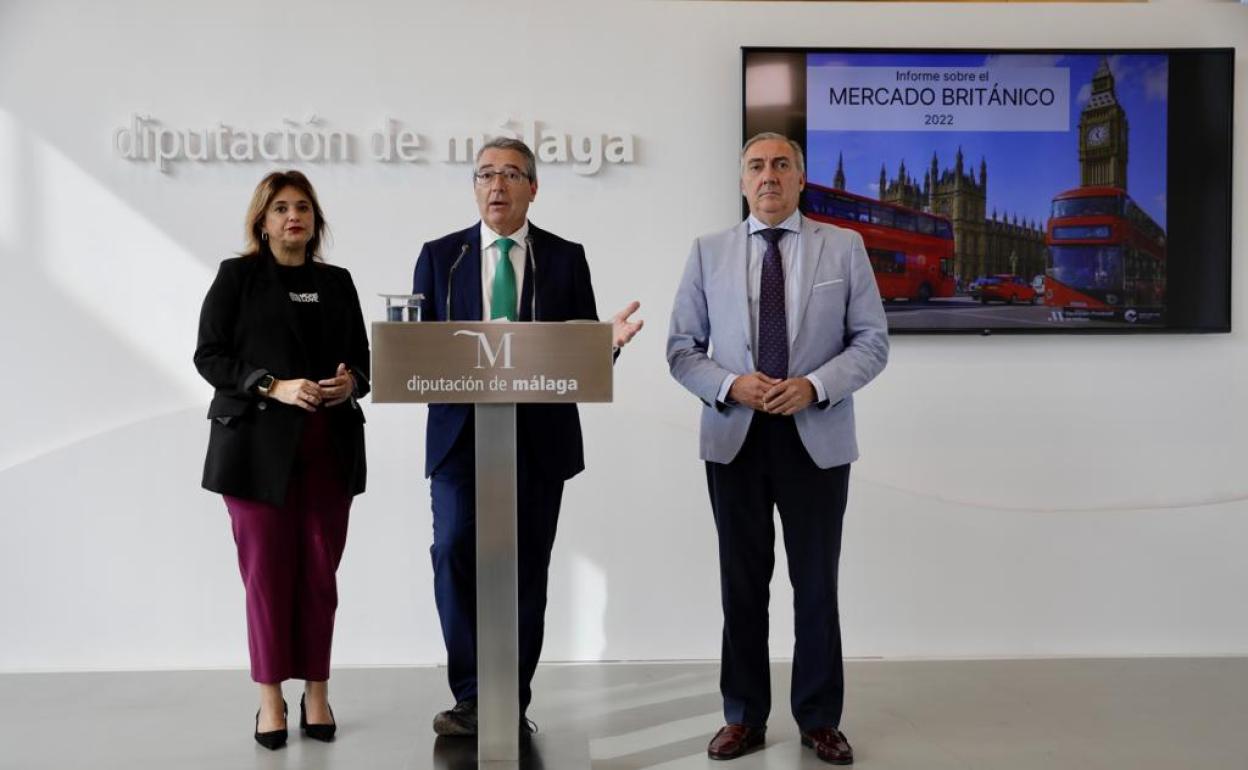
(1104,253)
(911,251)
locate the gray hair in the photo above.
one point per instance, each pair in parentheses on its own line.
(770,135)
(515,145)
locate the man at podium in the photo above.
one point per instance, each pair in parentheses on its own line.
(502,267)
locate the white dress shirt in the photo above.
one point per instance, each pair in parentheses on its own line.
(490,254)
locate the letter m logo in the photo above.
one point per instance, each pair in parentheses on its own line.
(484,350)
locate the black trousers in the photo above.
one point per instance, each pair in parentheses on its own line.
(773,469)
(454,557)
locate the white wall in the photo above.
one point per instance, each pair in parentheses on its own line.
(1016,496)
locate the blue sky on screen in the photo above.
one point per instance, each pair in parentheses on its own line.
(1025,169)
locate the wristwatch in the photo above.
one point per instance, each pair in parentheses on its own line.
(265,384)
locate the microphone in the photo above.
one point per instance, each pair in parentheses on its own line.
(528,242)
(450,277)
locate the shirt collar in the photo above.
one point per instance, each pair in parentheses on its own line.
(793,224)
(488,236)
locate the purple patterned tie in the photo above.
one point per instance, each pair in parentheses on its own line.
(773,332)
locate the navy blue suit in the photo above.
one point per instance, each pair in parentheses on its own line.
(548,446)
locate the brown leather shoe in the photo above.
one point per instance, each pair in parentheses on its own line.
(734,740)
(830,745)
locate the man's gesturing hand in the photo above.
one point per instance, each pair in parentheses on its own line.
(623,329)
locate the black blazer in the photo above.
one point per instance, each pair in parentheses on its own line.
(247,327)
(548,436)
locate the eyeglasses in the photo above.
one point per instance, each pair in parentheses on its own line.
(486,177)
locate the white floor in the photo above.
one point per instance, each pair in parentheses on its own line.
(1136,714)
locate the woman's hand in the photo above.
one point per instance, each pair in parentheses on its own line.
(304,394)
(339,387)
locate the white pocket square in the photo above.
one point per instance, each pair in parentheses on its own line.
(828,283)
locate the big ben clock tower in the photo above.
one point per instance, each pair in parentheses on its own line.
(1103,135)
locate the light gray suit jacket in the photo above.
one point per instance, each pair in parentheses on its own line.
(841,338)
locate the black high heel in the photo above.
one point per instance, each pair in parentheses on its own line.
(316,732)
(273,739)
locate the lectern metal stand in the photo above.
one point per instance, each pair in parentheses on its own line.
(498,646)
(496,366)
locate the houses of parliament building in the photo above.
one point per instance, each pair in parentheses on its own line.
(983,244)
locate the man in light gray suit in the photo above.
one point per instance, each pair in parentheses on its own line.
(776,323)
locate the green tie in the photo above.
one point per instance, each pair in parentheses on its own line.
(503,300)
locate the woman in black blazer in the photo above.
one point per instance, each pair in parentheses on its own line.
(281,338)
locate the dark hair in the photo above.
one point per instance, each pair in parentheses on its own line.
(263,197)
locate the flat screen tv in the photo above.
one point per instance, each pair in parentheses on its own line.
(1013,191)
